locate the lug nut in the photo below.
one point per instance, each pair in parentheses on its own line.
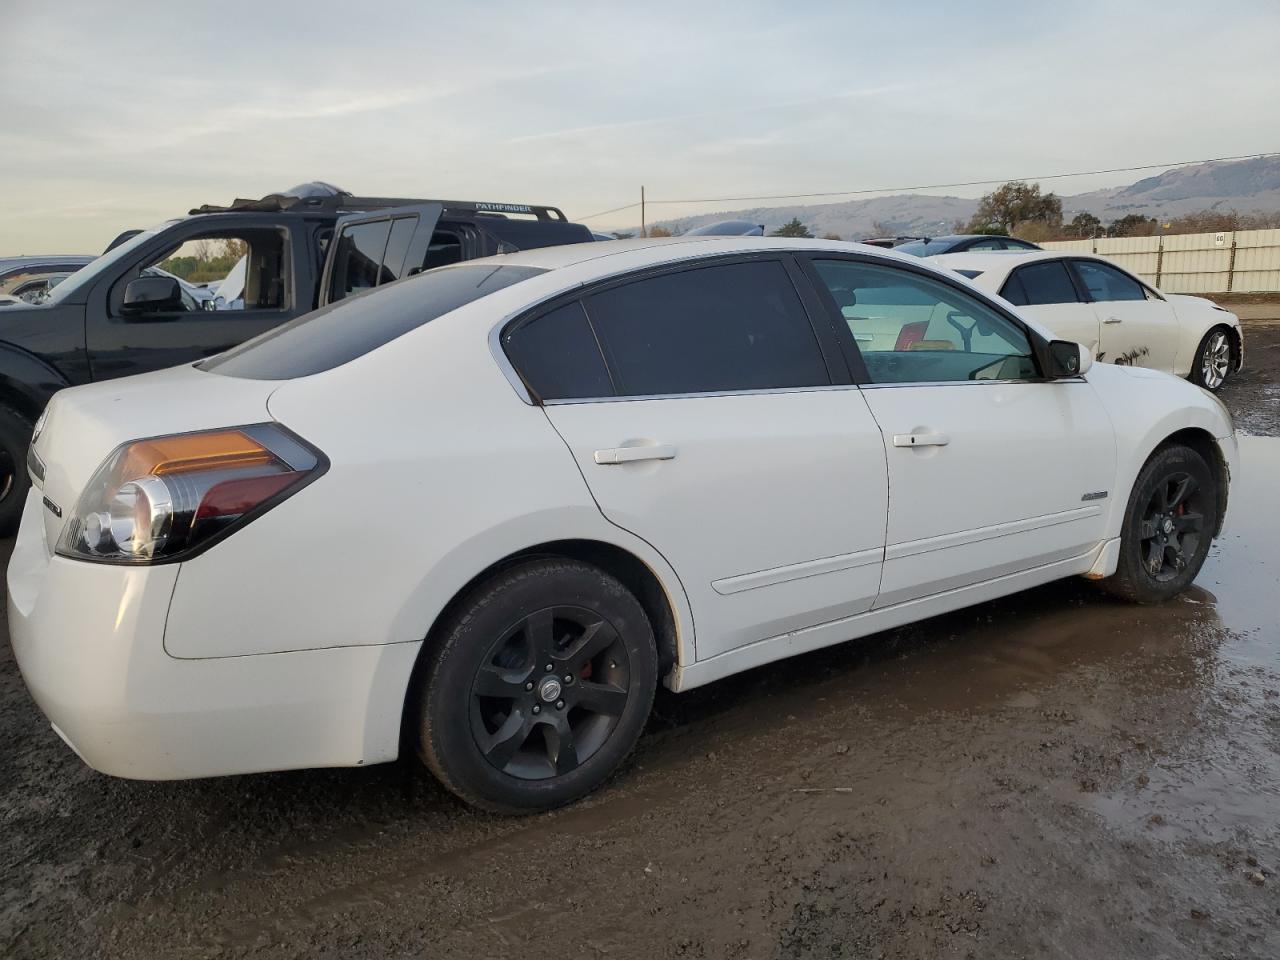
(559,704)
(536,708)
(529,685)
(568,678)
(550,667)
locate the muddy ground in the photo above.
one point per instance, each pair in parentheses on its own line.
(1051,775)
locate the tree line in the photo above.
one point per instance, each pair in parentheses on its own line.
(205,260)
(1020,209)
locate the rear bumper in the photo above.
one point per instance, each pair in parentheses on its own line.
(89,640)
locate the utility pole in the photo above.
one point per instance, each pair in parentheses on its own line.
(643,230)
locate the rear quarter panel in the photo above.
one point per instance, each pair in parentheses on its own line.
(437,470)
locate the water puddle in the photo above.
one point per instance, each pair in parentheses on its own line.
(1225,785)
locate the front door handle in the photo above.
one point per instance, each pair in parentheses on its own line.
(616,455)
(1111,320)
(920,439)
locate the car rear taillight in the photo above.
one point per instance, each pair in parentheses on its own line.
(165,498)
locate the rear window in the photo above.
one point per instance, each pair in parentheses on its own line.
(1040,284)
(340,332)
(925,248)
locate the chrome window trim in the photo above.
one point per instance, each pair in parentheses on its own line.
(509,371)
(518,385)
(814,389)
(504,364)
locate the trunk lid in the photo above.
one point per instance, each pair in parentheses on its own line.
(82,425)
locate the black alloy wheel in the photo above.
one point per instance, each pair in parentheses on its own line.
(550,692)
(536,686)
(1170,520)
(1172,526)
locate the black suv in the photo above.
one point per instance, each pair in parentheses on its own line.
(124,314)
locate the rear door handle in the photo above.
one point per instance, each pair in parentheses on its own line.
(920,439)
(1111,320)
(616,455)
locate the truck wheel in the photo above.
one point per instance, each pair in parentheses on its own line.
(15,437)
(1169,522)
(538,688)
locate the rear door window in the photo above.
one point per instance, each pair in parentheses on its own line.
(1038,284)
(727,327)
(357,262)
(393,259)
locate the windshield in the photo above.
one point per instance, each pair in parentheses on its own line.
(87,275)
(925,248)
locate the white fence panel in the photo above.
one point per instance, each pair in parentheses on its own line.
(1244,261)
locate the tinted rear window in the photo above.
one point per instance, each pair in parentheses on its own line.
(1038,284)
(340,332)
(737,326)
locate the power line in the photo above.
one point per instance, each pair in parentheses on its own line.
(614,210)
(938,186)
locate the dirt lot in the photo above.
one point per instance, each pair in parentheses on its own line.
(1051,775)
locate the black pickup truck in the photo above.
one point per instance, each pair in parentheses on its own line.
(124,314)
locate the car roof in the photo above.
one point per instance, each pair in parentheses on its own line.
(611,255)
(995,265)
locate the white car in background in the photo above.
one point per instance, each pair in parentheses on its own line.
(1121,318)
(485,510)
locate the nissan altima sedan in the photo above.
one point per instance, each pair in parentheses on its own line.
(486,510)
(1118,316)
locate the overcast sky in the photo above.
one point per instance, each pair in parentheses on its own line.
(116,116)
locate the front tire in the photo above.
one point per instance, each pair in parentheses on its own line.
(15,437)
(539,687)
(1168,525)
(1212,364)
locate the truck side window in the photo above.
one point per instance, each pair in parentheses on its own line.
(357,261)
(247,270)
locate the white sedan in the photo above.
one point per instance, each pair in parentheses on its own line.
(1121,318)
(486,510)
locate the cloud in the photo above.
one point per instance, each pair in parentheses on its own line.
(737,110)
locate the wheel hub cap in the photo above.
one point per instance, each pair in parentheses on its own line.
(549,692)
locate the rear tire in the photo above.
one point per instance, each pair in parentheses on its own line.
(1169,522)
(1213,361)
(15,438)
(501,730)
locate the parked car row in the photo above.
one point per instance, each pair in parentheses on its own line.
(487,508)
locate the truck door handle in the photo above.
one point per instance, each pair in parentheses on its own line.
(616,455)
(920,439)
(1111,320)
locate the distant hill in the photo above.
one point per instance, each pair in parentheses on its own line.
(1246,186)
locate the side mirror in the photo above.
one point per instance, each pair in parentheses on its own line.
(1068,359)
(152,295)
